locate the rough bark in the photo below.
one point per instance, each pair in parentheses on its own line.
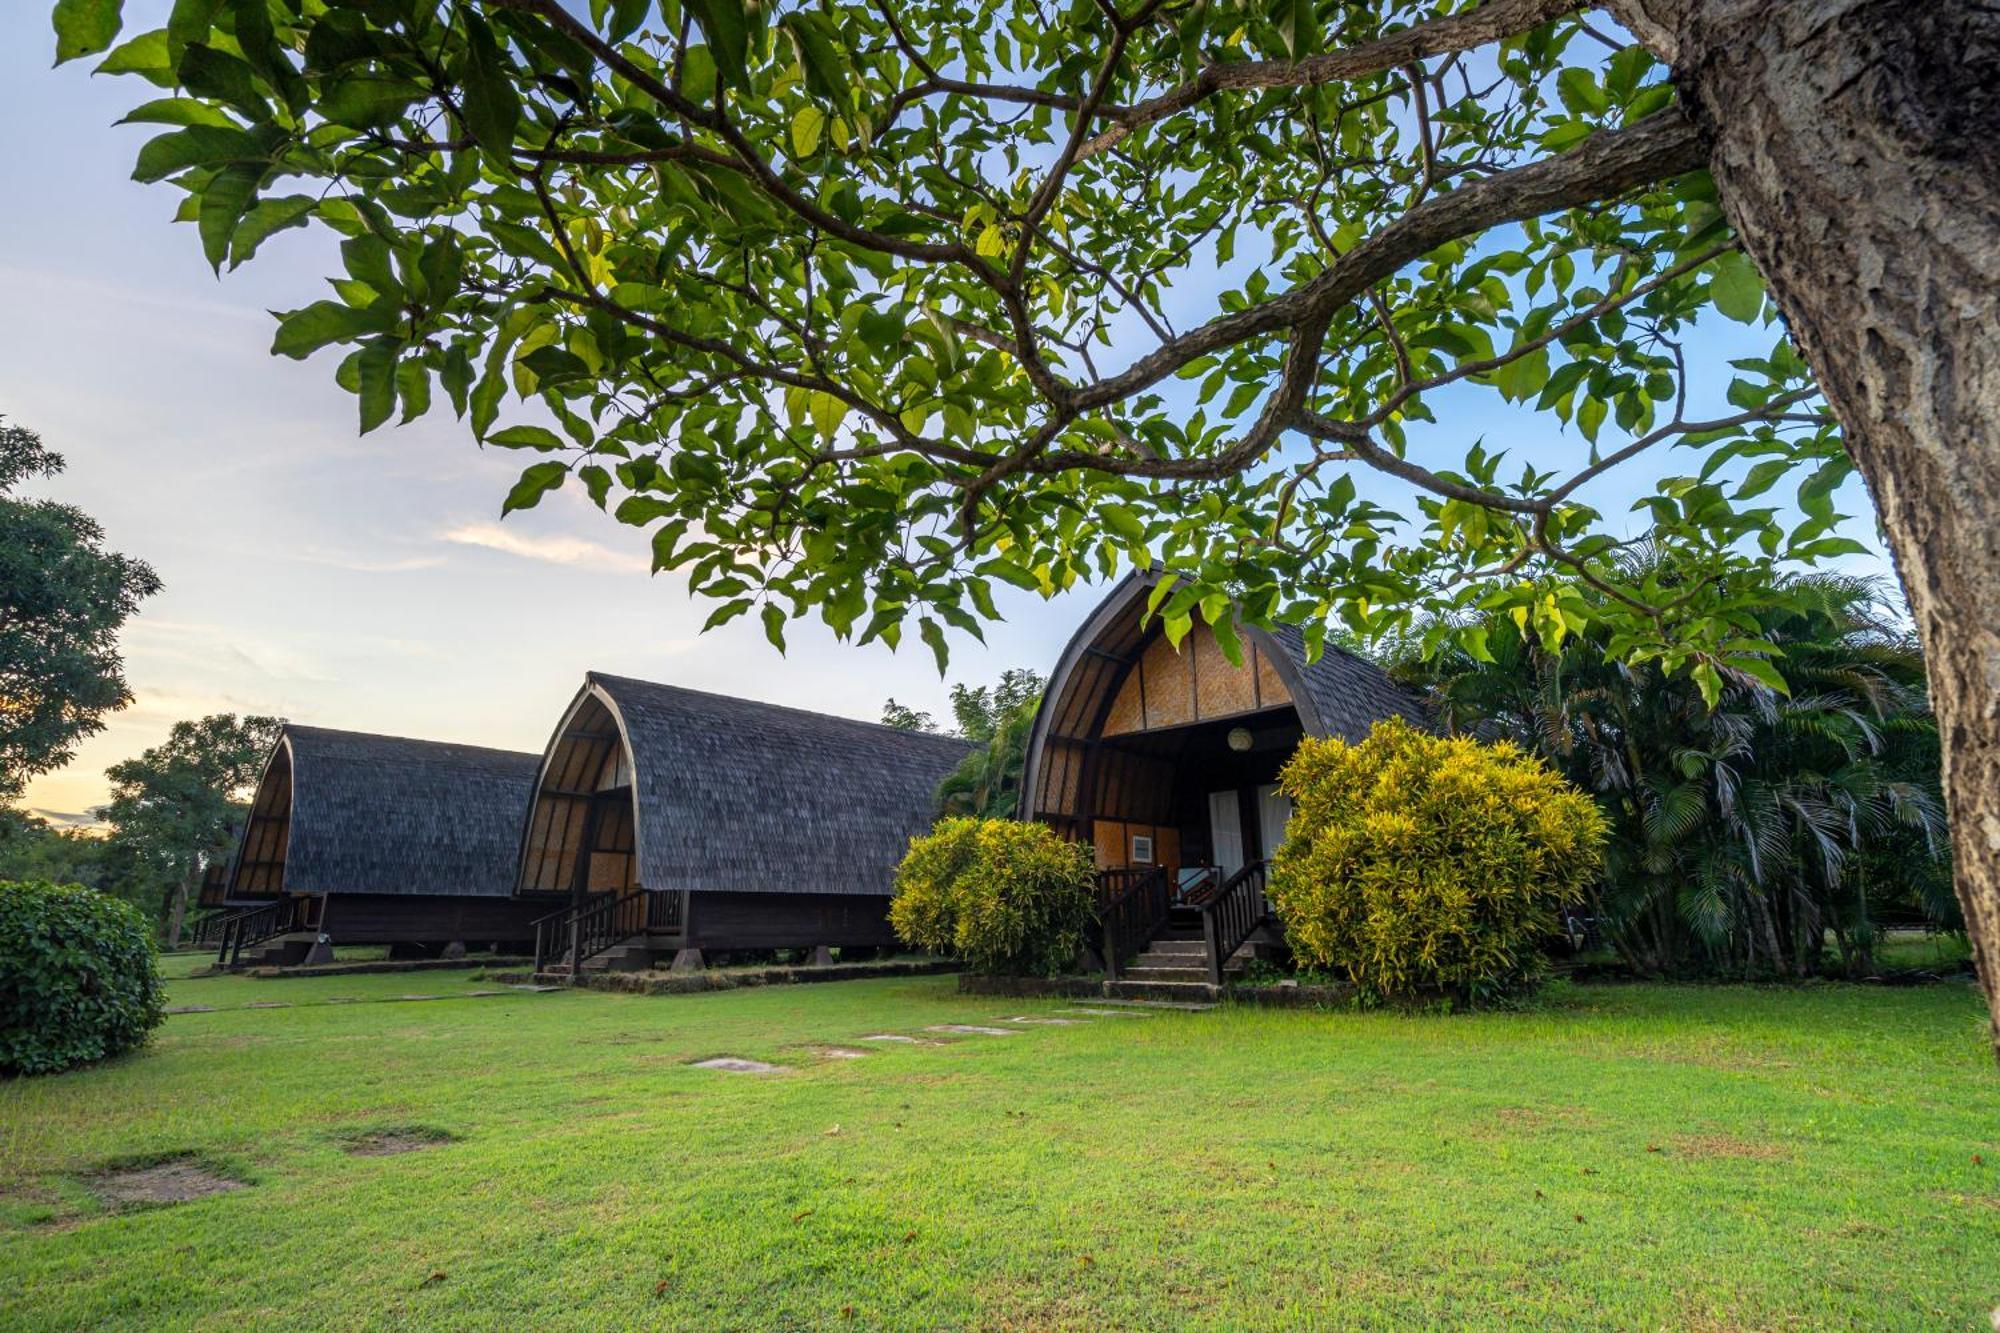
(1856,150)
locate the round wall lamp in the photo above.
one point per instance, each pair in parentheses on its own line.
(1240,739)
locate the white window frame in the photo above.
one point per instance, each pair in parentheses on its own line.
(1142,849)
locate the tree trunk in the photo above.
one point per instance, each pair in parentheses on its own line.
(1856,150)
(177,910)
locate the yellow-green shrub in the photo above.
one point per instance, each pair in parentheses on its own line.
(1007,897)
(1424,865)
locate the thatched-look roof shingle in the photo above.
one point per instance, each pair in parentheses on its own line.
(736,795)
(350,812)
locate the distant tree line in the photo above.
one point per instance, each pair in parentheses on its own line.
(998,718)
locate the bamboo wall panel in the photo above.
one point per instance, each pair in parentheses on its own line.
(1128,710)
(1271,690)
(1222,688)
(1169,684)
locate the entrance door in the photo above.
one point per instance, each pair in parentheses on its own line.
(1274,811)
(1225,831)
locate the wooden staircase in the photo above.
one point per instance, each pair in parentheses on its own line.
(1180,951)
(623,932)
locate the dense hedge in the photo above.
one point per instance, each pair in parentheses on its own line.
(79,980)
(1424,866)
(1009,898)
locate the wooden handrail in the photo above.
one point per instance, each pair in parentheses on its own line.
(1231,914)
(252,927)
(581,933)
(1133,903)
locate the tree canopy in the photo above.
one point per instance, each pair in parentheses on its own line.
(1743,835)
(864,307)
(63,599)
(177,805)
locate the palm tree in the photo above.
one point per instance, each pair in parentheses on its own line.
(1744,833)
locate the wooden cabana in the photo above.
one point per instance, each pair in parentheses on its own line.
(365,839)
(1166,761)
(680,821)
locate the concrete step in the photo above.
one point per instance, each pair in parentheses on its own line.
(1169,992)
(627,957)
(1145,971)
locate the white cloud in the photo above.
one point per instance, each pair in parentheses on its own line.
(548,550)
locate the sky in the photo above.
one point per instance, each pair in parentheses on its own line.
(366,582)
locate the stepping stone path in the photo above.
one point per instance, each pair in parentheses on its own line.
(1051,1022)
(268,1004)
(1107,1013)
(971,1028)
(176,1180)
(737,1065)
(841,1053)
(897,1036)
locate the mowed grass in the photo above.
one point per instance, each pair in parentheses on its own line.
(1630,1156)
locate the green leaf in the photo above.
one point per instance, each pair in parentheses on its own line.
(224,201)
(266,218)
(536,481)
(413,388)
(1763,476)
(725,613)
(826,70)
(144,55)
(219,77)
(176,111)
(492,107)
(626,16)
(774,626)
(727,28)
(366,100)
(303,332)
(196,146)
(1736,287)
(933,636)
(1763,671)
(1709,682)
(806,128)
(526,437)
(375,367)
(85,27)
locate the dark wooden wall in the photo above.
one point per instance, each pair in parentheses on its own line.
(419,918)
(787,920)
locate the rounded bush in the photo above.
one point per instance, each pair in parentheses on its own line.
(1426,866)
(1009,898)
(79,979)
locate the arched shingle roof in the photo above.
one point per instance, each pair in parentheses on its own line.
(741,796)
(386,814)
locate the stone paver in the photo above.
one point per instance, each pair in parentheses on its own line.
(733,1064)
(897,1036)
(972,1028)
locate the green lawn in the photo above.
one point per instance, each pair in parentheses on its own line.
(1632,1156)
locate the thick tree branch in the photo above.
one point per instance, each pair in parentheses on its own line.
(1608,163)
(1458,32)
